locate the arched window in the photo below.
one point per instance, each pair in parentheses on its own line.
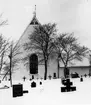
(33,59)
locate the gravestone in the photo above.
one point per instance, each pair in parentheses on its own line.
(54,76)
(18,90)
(33,84)
(85,75)
(81,79)
(30,79)
(89,74)
(40,83)
(68,86)
(32,76)
(49,77)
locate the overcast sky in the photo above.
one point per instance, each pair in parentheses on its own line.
(70,16)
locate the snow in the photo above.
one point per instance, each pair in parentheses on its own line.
(49,93)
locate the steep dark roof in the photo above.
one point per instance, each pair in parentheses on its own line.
(34,21)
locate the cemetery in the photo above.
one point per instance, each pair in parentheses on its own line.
(55,91)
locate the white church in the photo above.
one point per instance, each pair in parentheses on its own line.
(39,69)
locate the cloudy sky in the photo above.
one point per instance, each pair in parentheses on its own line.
(70,16)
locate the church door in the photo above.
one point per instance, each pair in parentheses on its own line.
(33,64)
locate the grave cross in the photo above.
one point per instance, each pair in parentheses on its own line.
(68,85)
(24,78)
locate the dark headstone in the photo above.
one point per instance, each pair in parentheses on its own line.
(50,77)
(17,90)
(40,83)
(81,79)
(68,86)
(33,84)
(85,75)
(32,76)
(89,74)
(30,79)
(54,75)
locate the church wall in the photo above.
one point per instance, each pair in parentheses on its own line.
(24,71)
(79,70)
(52,68)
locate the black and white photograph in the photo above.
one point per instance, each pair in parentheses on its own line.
(45,52)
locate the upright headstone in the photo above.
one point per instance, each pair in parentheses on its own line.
(30,79)
(17,90)
(85,75)
(32,76)
(33,84)
(40,83)
(81,79)
(54,75)
(89,75)
(50,77)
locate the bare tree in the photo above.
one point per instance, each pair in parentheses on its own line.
(14,51)
(68,49)
(4,46)
(41,41)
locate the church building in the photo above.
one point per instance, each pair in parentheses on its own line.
(33,67)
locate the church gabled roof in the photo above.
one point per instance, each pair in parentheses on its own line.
(28,31)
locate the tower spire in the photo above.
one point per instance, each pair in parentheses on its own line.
(34,19)
(35,11)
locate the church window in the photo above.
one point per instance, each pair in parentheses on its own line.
(33,64)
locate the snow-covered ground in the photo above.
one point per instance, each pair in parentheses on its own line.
(49,93)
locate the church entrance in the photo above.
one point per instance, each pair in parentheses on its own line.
(33,64)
